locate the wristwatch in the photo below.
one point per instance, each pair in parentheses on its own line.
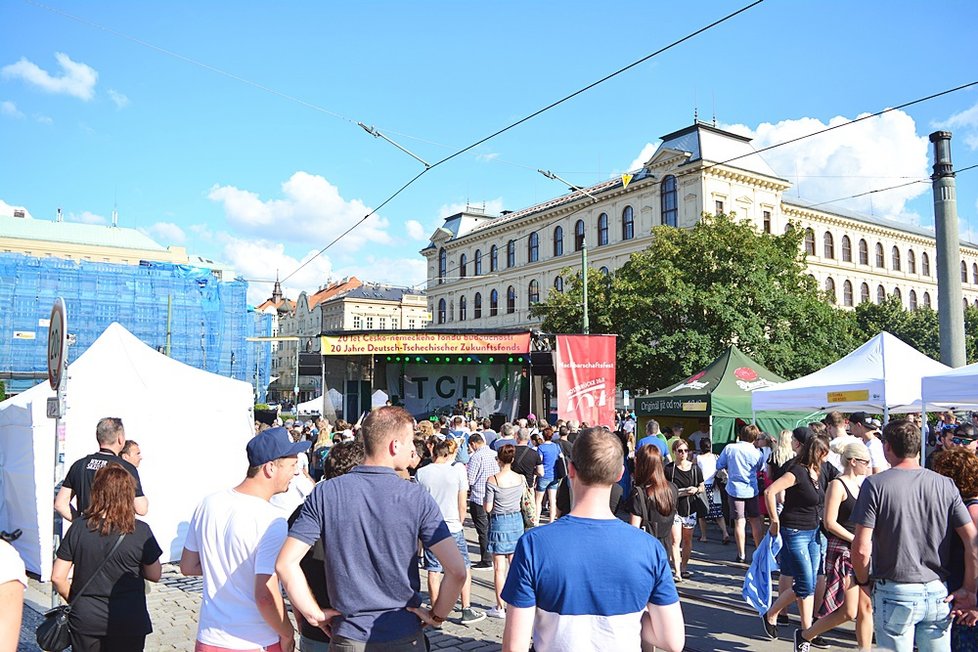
(438,620)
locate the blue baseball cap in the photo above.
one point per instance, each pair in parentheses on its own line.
(273,444)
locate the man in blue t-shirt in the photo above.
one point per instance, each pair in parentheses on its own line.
(655,438)
(375,597)
(546,600)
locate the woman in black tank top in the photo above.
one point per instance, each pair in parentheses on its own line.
(843,600)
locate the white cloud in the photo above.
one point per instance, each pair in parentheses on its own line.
(86,217)
(402,272)
(43,119)
(259,260)
(492,207)
(76,79)
(415,230)
(964,123)
(10,109)
(166,232)
(644,155)
(491,156)
(120,100)
(311,211)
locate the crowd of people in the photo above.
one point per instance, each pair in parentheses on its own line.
(344,517)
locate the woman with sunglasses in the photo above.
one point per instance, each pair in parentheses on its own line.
(688,479)
(843,600)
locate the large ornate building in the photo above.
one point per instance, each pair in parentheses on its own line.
(485,271)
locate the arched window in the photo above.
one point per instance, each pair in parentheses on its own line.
(463,262)
(911,261)
(864,293)
(510,300)
(863,253)
(602,229)
(477,306)
(895,258)
(668,202)
(828,246)
(927,299)
(533,248)
(964,272)
(847,299)
(462,308)
(809,242)
(559,241)
(604,271)
(511,254)
(493,303)
(441,311)
(898,294)
(830,289)
(442,265)
(493,258)
(627,223)
(846,249)
(533,292)
(974,273)
(880,259)
(880,294)
(477,261)
(925,264)
(788,228)
(913,299)
(559,283)
(451,311)
(965,303)
(579,235)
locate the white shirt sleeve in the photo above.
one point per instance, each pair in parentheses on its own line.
(269,546)
(11,565)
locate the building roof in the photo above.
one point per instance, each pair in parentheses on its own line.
(333,289)
(25,228)
(379,292)
(712,145)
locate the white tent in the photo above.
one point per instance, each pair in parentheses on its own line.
(883,375)
(953,389)
(378,399)
(160,402)
(315,406)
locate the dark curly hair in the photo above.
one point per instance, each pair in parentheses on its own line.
(961,465)
(342,458)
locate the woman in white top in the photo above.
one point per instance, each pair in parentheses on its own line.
(706,460)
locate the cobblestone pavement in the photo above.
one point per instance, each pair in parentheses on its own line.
(175,601)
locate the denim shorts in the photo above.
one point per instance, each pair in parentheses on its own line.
(431,562)
(800,557)
(545,484)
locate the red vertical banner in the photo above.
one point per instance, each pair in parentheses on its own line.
(585,366)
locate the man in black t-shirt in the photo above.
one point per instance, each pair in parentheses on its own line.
(111,436)
(527,462)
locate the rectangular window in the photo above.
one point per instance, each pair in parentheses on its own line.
(357,322)
(719,207)
(370,323)
(411,323)
(383,323)
(767,221)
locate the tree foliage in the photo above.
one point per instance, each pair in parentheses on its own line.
(693,292)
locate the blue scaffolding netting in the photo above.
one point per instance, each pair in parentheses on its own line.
(208,319)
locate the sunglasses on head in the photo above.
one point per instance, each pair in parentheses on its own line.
(961,441)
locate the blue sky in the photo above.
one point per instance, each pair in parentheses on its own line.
(121,105)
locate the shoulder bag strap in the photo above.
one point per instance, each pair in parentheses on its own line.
(102,565)
(523,453)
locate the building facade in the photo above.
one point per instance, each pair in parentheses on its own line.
(486,271)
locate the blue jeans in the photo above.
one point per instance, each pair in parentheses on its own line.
(904,614)
(800,557)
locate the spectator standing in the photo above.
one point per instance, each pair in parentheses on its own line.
(110,614)
(547,484)
(482,464)
(688,480)
(504,492)
(526,461)
(835,429)
(630,599)
(903,520)
(131,452)
(507,436)
(963,436)
(375,598)
(707,463)
(461,433)
(448,485)
(862,425)
(702,432)
(652,503)
(655,438)
(232,541)
(111,437)
(742,461)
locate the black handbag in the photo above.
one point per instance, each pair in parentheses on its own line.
(54,634)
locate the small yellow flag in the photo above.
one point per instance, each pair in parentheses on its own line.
(625,180)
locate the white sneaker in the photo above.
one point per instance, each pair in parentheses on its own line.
(496,612)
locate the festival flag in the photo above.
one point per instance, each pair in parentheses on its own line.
(585,366)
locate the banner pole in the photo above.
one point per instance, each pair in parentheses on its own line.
(586,325)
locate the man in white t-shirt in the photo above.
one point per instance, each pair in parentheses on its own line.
(448,484)
(233,540)
(702,432)
(835,428)
(862,425)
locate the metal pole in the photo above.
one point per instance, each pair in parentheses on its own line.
(587,323)
(295,388)
(169,313)
(950,313)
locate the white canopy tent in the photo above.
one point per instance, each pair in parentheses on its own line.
(883,375)
(184,457)
(315,406)
(953,389)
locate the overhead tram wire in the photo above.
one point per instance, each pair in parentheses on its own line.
(876,190)
(521,121)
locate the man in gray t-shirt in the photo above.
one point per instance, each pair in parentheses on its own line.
(904,520)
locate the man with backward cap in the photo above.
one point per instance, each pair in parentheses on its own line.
(233,540)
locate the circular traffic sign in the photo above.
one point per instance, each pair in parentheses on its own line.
(57,342)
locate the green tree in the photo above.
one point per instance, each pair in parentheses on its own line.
(3,391)
(918,328)
(693,292)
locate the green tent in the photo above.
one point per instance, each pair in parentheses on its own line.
(722,394)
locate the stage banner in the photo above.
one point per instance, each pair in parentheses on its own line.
(421,343)
(426,389)
(585,366)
